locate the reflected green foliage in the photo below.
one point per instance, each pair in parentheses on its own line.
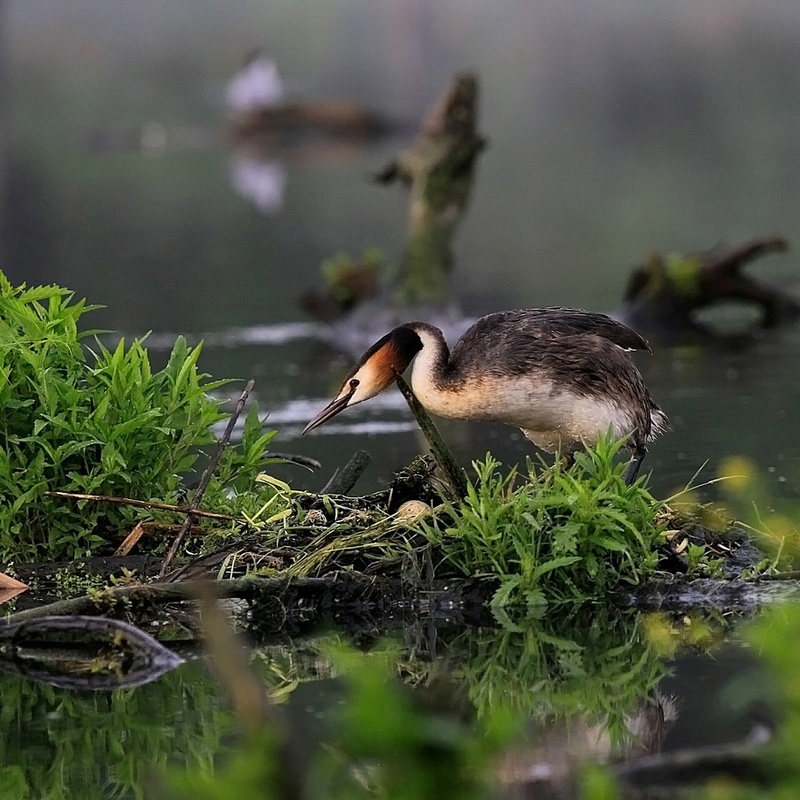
(96,421)
(593,668)
(572,534)
(775,768)
(396,723)
(250,774)
(777,635)
(597,784)
(61,745)
(383,742)
(597,662)
(415,749)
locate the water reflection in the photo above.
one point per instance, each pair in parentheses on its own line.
(83,653)
(59,743)
(597,684)
(256,86)
(261,182)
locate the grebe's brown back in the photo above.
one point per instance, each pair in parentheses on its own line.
(561,375)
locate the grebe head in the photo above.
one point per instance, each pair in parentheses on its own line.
(373,372)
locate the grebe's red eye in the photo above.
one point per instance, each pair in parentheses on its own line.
(354,383)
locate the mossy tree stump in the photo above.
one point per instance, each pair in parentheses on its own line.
(438,170)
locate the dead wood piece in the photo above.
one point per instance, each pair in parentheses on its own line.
(274,601)
(455,480)
(10,588)
(709,593)
(41,575)
(121,597)
(339,118)
(54,650)
(666,292)
(343,480)
(438,169)
(742,760)
(206,477)
(348,284)
(130,540)
(9,594)
(7,582)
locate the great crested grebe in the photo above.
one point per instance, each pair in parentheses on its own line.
(562,375)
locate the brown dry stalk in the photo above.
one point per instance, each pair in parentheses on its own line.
(129,501)
(130,540)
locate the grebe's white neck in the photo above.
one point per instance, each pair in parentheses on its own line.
(433,379)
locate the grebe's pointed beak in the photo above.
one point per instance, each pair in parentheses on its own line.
(329,412)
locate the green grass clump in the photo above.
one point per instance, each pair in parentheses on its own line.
(98,422)
(572,534)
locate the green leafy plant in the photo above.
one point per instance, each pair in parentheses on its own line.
(95,421)
(563,535)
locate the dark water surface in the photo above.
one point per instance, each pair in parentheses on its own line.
(572,685)
(615,129)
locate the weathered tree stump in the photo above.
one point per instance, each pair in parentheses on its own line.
(438,170)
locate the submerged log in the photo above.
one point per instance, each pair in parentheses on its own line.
(282,604)
(665,292)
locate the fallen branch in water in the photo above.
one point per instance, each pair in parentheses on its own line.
(742,760)
(666,290)
(83,652)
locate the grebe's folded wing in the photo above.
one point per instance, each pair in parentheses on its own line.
(553,323)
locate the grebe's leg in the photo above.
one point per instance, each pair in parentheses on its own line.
(635,464)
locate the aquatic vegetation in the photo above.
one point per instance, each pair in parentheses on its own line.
(561,535)
(777,636)
(93,420)
(382,742)
(487,690)
(762,770)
